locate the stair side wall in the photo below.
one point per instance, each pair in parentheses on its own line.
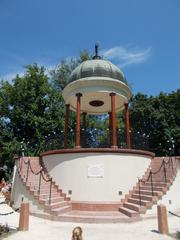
(172,198)
(20,192)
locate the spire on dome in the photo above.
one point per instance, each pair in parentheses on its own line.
(96,52)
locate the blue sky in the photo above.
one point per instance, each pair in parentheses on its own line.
(142,37)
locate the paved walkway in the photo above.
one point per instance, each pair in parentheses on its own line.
(49,230)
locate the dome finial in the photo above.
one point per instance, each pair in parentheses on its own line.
(96,51)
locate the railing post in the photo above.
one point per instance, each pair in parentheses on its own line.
(39,189)
(50,191)
(24,217)
(21,163)
(27,170)
(171,162)
(152,188)
(162,219)
(164,168)
(139,183)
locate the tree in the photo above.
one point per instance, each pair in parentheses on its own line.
(60,75)
(31,108)
(157,118)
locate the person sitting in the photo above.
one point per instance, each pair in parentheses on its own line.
(7,188)
(77,233)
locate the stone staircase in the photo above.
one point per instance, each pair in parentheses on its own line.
(43,188)
(58,206)
(153,185)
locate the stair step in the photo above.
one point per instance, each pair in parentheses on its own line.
(134,207)
(43,188)
(94,217)
(158,184)
(143,202)
(145,192)
(43,183)
(155,188)
(144,197)
(36,180)
(36,184)
(57,211)
(53,200)
(56,205)
(44,191)
(46,196)
(128,212)
(160,180)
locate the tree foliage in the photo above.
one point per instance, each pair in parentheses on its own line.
(62,71)
(30,109)
(158,118)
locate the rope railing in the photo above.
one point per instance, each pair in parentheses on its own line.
(41,174)
(172,164)
(174,214)
(139,185)
(163,169)
(50,187)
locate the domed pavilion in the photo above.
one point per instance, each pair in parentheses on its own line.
(97,87)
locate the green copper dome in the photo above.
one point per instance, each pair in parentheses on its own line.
(97,68)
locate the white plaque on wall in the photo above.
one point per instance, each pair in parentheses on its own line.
(96,170)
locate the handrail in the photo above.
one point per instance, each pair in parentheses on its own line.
(41,174)
(50,190)
(139,181)
(169,163)
(172,165)
(152,188)
(164,169)
(27,171)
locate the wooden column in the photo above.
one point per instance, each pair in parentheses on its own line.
(66,126)
(128,138)
(113,119)
(84,126)
(78,119)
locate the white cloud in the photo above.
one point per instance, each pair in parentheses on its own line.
(10,76)
(124,56)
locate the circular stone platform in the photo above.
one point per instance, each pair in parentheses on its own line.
(96,179)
